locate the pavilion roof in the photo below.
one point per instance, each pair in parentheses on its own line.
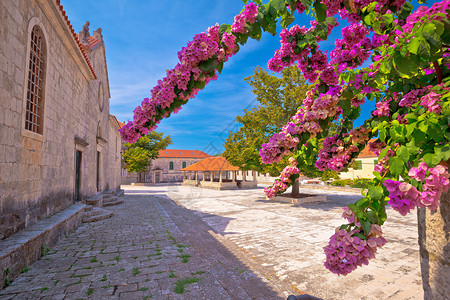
(219,163)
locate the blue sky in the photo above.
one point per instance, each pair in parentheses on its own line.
(142,40)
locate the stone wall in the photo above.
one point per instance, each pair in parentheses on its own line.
(434,231)
(37,172)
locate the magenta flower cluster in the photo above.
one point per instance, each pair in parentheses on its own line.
(305,120)
(403,197)
(280,184)
(383,163)
(435,182)
(176,85)
(336,154)
(247,16)
(345,251)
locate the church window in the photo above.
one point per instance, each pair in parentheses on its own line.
(35,82)
(171,165)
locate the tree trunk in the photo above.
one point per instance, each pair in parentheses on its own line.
(296,188)
(434,231)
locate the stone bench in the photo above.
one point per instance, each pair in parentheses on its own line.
(26,246)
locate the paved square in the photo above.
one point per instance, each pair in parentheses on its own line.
(175,242)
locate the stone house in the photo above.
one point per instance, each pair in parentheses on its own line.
(366,162)
(166,168)
(58,142)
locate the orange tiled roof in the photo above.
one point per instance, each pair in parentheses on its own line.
(75,36)
(212,164)
(175,153)
(121,124)
(366,152)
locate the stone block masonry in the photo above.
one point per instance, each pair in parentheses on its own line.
(25,247)
(38,169)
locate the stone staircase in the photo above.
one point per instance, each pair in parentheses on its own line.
(94,210)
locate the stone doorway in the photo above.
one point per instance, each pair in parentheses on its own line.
(77,175)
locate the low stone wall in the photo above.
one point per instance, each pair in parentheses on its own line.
(296,201)
(190,182)
(248,184)
(26,246)
(218,185)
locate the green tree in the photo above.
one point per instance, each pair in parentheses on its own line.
(278,99)
(137,156)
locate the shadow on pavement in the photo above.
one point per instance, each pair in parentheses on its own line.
(232,268)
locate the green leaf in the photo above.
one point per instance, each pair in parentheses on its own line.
(279,5)
(428,158)
(372,216)
(375,192)
(361,236)
(413,45)
(200,84)
(443,151)
(424,49)
(307,3)
(365,225)
(286,20)
(396,166)
(362,203)
(403,153)
(388,19)
(402,63)
(411,146)
(220,67)
(208,65)
(321,11)
(224,28)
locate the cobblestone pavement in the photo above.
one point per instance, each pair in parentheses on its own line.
(285,242)
(151,248)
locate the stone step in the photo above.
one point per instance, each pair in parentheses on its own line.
(93,212)
(120,193)
(116,202)
(105,214)
(109,198)
(108,192)
(88,208)
(96,200)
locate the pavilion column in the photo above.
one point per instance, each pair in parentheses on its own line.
(244,175)
(196,175)
(254,175)
(184,175)
(204,173)
(226,175)
(220,176)
(190,175)
(233,175)
(212,176)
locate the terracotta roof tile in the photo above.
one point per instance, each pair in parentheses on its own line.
(75,36)
(366,152)
(175,153)
(212,164)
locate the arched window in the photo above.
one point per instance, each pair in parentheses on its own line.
(171,165)
(184,164)
(35,82)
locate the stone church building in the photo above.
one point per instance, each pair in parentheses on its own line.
(58,142)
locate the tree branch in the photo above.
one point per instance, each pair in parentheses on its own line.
(438,71)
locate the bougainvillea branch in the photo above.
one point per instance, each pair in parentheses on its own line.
(390,54)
